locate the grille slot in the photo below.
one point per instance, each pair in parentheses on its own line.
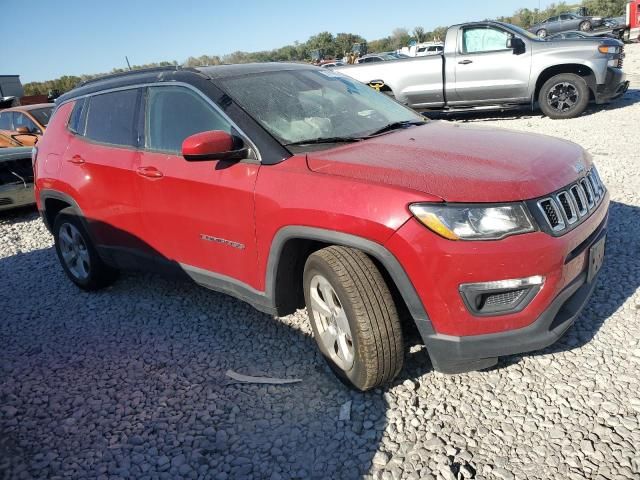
(5,201)
(552,213)
(588,192)
(503,298)
(621,58)
(579,199)
(567,207)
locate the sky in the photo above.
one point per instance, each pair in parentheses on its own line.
(73,37)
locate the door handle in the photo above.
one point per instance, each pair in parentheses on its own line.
(149,172)
(77,160)
(465,62)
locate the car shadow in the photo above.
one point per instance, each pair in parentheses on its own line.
(130,382)
(631,97)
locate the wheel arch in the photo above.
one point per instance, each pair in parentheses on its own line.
(583,71)
(53,201)
(292,245)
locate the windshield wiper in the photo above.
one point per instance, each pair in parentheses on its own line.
(396,126)
(314,141)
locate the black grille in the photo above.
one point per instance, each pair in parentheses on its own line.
(587,191)
(5,201)
(566,206)
(504,298)
(621,59)
(570,206)
(576,196)
(550,212)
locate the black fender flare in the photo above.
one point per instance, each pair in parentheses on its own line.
(376,250)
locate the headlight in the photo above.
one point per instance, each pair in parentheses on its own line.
(473,222)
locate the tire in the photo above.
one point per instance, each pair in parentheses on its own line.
(585,26)
(77,254)
(364,319)
(542,33)
(564,96)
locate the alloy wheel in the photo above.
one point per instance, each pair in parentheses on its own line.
(563,96)
(74,251)
(331,323)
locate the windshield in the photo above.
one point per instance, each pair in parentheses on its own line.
(523,32)
(42,115)
(299,105)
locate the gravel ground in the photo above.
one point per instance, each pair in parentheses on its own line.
(129,382)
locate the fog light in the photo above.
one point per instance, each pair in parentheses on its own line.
(500,297)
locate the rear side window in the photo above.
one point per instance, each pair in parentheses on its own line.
(175,113)
(75,123)
(5,121)
(21,120)
(111,118)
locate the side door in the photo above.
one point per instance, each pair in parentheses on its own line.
(569,22)
(553,25)
(198,214)
(100,164)
(486,70)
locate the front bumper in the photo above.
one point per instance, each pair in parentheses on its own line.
(12,196)
(614,87)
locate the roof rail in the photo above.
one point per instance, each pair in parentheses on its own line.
(109,76)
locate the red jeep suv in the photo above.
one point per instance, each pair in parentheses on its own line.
(285,185)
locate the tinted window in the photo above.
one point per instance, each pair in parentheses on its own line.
(175,113)
(42,115)
(5,121)
(483,39)
(21,120)
(74,121)
(111,116)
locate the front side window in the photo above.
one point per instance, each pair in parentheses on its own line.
(111,116)
(21,120)
(309,104)
(5,121)
(175,113)
(483,39)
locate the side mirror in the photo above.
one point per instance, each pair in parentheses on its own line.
(23,130)
(516,44)
(213,145)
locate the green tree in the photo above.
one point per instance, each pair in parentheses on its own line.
(606,8)
(419,34)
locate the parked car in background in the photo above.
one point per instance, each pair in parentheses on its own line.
(289,184)
(577,34)
(565,22)
(16,178)
(332,63)
(380,57)
(494,65)
(28,119)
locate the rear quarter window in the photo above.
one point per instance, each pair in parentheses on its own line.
(77,119)
(111,118)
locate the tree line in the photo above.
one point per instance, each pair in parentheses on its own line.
(335,46)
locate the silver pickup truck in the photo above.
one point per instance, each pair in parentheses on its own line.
(494,65)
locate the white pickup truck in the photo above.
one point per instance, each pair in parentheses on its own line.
(494,65)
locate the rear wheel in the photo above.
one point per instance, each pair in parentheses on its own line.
(77,254)
(585,26)
(353,317)
(542,33)
(564,96)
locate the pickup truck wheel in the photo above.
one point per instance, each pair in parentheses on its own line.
(77,255)
(353,317)
(585,26)
(542,33)
(564,96)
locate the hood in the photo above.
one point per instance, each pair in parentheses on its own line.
(459,163)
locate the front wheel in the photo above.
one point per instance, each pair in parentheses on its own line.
(542,33)
(353,317)
(564,96)
(585,26)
